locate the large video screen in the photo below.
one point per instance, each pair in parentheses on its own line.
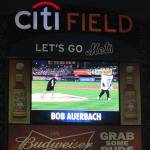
(75,92)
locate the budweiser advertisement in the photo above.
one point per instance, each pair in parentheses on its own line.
(44,137)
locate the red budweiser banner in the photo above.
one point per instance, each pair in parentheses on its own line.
(44,137)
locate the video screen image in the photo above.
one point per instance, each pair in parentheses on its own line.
(74,86)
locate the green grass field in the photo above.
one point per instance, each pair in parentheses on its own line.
(90,90)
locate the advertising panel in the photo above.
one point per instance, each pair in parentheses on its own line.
(19,91)
(56,30)
(130,95)
(22,137)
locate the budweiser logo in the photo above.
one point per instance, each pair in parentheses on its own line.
(38,141)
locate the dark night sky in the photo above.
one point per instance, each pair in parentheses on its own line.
(139,9)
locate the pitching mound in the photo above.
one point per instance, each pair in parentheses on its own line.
(57,97)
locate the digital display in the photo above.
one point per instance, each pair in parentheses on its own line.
(75,92)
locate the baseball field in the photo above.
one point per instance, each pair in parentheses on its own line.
(74,96)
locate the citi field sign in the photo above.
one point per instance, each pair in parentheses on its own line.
(48,16)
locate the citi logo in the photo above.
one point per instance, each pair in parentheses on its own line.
(46,16)
(26,20)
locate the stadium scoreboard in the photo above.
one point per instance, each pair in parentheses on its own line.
(84,93)
(74,78)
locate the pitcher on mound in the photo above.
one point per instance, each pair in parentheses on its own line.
(50,86)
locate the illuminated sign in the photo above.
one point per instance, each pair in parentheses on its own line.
(74,138)
(76,95)
(45,14)
(94,48)
(43,17)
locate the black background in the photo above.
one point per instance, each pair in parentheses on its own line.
(139,10)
